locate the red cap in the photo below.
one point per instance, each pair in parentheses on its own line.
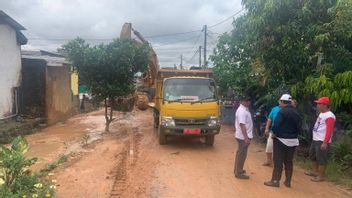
(323,100)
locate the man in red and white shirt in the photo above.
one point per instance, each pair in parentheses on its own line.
(322,133)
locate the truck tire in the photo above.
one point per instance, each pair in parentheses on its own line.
(156,119)
(162,137)
(209,140)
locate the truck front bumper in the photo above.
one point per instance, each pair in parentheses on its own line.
(179,130)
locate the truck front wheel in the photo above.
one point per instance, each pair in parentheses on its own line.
(162,137)
(209,140)
(156,119)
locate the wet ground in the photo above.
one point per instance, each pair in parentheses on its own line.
(129,162)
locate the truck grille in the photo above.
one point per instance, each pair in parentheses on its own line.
(191,121)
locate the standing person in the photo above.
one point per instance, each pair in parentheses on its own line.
(285,133)
(243,134)
(322,133)
(268,133)
(294,103)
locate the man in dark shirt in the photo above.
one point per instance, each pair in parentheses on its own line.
(285,134)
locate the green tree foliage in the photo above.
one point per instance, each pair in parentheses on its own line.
(232,58)
(108,69)
(338,88)
(302,47)
(282,43)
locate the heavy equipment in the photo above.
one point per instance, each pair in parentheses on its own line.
(147,80)
(184,102)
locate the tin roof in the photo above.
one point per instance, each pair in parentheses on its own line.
(52,59)
(6,19)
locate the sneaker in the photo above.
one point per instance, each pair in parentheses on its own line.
(242,176)
(317,179)
(272,183)
(287,184)
(311,173)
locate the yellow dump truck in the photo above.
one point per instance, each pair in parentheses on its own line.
(185,103)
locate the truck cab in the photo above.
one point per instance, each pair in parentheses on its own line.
(186,104)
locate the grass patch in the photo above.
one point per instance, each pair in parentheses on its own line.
(49,167)
(335,172)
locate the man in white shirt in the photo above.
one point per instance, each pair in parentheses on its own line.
(243,134)
(322,133)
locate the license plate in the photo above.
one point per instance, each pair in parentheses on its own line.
(191,131)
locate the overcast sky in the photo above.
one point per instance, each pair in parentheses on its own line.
(50,23)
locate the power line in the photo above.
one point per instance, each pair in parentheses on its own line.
(194,55)
(173,34)
(228,18)
(151,36)
(179,48)
(177,41)
(212,32)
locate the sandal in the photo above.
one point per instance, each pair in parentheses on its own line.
(317,179)
(310,173)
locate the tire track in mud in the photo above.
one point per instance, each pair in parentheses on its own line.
(126,159)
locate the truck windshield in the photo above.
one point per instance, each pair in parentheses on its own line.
(189,89)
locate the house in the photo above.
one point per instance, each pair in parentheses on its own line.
(46,86)
(11,40)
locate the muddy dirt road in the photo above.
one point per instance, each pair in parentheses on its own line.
(129,162)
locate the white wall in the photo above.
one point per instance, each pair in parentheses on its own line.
(10,68)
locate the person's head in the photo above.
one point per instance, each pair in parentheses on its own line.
(323,104)
(285,99)
(294,103)
(246,101)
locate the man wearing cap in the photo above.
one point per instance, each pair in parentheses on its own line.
(243,134)
(322,133)
(285,133)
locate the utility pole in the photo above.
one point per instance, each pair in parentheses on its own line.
(205,29)
(200,56)
(181,67)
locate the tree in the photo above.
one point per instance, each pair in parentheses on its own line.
(232,59)
(282,42)
(303,47)
(108,69)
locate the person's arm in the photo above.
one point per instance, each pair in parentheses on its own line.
(267,126)
(244,133)
(269,122)
(242,121)
(330,122)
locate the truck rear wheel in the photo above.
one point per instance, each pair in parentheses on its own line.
(209,140)
(162,137)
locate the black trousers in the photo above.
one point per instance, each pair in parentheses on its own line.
(241,156)
(283,155)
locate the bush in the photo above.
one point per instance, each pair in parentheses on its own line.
(15,177)
(342,153)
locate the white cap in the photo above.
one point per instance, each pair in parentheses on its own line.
(286,97)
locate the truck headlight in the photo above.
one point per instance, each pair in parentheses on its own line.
(213,121)
(167,121)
